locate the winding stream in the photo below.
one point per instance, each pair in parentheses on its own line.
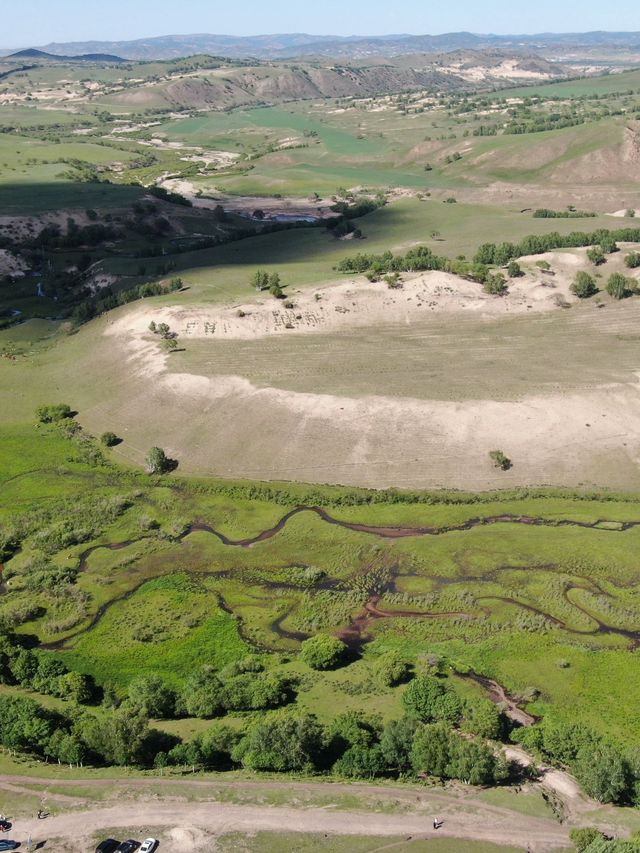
(356,632)
(385,532)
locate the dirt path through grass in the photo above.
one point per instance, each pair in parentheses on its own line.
(197,824)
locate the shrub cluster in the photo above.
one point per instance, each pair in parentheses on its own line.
(41,671)
(418,259)
(546,213)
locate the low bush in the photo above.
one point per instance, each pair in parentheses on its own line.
(53,413)
(323,652)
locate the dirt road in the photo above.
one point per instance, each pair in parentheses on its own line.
(192,827)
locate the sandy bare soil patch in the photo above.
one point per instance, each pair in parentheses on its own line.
(582,428)
(359,303)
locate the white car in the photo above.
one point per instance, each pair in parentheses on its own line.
(148,845)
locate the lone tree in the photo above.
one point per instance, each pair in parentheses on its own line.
(391,669)
(275,286)
(500,460)
(514,269)
(323,652)
(109,439)
(584,285)
(617,286)
(495,284)
(156,461)
(260,280)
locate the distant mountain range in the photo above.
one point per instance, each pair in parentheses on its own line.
(286,45)
(34,53)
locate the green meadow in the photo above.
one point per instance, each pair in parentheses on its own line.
(534,589)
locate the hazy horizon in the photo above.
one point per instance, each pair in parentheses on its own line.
(66,21)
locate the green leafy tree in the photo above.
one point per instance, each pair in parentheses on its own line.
(484,720)
(495,284)
(396,743)
(119,737)
(216,746)
(583,285)
(608,244)
(583,837)
(514,270)
(562,742)
(67,749)
(352,728)
(504,253)
(486,254)
(429,699)
(109,439)
(24,667)
(431,750)
(275,286)
(202,695)
(77,687)
(362,762)
(323,652)
(602,773)
(391,669)
(596,256)
(156,461)
(187,755)
(53,413)
(500,460)
(282,742)
(260,280)
(150,695)
(617,286)
(46,678)
(472,762)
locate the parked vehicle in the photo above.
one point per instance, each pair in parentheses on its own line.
(5,825)
(127,846)
(148,845)
(5,844)
(109,845)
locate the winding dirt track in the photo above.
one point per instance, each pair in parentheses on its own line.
(195,825)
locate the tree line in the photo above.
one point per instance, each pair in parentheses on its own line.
(108,299)
(537,244)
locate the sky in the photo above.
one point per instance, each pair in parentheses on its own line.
(37,22)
